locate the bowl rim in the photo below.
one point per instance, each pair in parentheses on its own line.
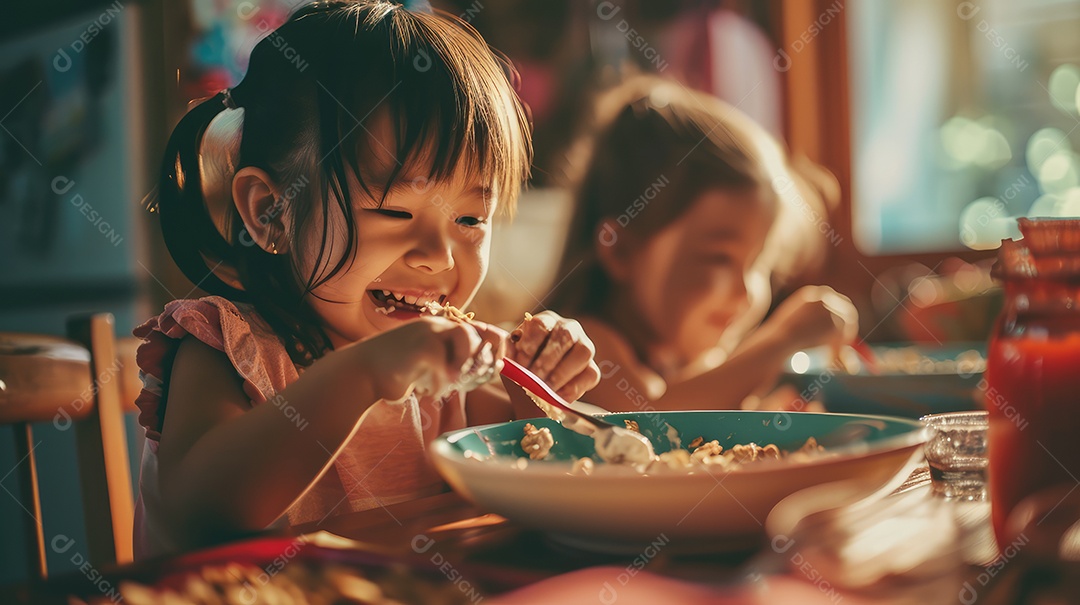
(443,448)
(955,415)
(959,346)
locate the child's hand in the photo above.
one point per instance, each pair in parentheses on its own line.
(813,316)
(557,350)
(433,353)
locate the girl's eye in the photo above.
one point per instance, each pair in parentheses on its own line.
(393,213)
(470,221)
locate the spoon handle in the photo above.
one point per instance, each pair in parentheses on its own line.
(521,376)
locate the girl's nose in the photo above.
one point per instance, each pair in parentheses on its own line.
(432,253)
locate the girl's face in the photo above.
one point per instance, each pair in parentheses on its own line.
(427,242)
(693,278)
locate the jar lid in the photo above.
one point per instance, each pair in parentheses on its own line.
(1049,249)
(1044,236)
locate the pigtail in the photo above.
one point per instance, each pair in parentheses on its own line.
(190,234)
(306,84)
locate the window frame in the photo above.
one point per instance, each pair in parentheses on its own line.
(817,124)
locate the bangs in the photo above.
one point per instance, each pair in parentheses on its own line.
(315,88)
(448,99)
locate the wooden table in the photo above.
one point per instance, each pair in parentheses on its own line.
(501,555)
(472,549)
(448,528)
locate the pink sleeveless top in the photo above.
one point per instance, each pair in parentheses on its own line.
(384,463)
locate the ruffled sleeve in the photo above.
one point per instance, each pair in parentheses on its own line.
(256,354)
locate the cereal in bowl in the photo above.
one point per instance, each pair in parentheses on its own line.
(537,443)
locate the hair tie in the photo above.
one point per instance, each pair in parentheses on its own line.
(228,100)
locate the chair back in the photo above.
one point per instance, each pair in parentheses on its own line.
(85,382)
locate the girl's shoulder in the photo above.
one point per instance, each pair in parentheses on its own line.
(254,350)
(204,318)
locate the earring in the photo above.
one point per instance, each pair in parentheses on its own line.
(273,248)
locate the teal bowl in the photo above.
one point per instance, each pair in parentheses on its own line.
(617,509)
(935,385)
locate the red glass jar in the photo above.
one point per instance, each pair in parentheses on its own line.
(1033,366)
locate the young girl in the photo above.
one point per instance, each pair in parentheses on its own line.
(686,212)
(328,203)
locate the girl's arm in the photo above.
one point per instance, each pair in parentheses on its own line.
(225,467)
(753,368)
(810,317)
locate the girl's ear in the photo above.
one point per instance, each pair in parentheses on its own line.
(261,209)
(612,249)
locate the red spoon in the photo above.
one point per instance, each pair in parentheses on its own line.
(867,355)
(613,442)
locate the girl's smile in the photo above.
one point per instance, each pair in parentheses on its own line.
(417,245)
(391,301)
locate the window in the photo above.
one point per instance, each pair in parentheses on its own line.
(963,114)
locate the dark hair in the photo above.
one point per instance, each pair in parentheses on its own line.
(449,101)
(652,136)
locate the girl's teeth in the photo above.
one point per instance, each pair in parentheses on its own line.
(410,299)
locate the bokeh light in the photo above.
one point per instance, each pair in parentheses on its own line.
(1043,144)
(1059,172)
(1063,86)
(985,222)
(969,142)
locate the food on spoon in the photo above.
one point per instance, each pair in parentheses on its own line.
(448,311)
(612,443)
(619,445)
(537,443)
(479,369)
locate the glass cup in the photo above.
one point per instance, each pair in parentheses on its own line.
(957,455)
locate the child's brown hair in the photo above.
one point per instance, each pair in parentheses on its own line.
(656,148)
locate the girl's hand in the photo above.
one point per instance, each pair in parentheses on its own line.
(557,350)
(813,316)
(431,354)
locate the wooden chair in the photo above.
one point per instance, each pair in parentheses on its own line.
(85,383)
